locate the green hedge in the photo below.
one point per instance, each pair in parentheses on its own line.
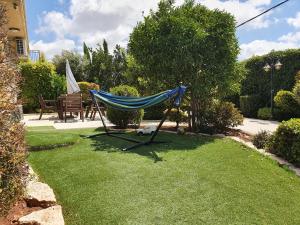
(249,105)
(122,118)
(286,141)
(257,82)
(39,79)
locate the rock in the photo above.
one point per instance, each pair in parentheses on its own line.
(220,135)
(49,216)
(39,195)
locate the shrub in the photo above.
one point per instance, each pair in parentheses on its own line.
(285,142)
(261,139)
(296,91)
(59,86)
(155,112)
(178,116)
(287,104)
(12,147)
(264,113)
(123,118)
(85,87)
(39,79)
(249,105)
(225,115)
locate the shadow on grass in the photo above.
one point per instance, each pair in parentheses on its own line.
(173,143)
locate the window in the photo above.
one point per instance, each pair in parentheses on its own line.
(20,46)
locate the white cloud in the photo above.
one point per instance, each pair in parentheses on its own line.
(93,20)
(261,47)
(291,37)
(53,48)
(295,21)
(243,10)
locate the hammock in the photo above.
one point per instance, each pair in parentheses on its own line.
(129,103)
(126,103)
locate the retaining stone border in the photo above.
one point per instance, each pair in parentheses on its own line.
(41,195)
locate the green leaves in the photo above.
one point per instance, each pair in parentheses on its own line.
(175,43)
(87,53)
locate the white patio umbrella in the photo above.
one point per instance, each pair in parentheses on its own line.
(72,86)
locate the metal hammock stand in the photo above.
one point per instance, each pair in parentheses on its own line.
(138,143)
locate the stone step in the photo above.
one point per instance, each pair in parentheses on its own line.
(50,216)
(39,195)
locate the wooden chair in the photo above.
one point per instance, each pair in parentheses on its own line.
(73,104)
(46,105)
(91,108)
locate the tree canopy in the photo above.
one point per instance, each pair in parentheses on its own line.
(189,43)
(105,68)
(76,64)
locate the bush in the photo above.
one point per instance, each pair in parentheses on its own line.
(226,115)
(249,105)
(296,91)
(178,116)
(285,142)
(123,118)
(264,113)
(155,112)
(39,79)
(287,104)
(261,139)
(12,146)
(59,86)
(85,87)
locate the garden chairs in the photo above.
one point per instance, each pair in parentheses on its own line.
(73,104)
(46,105)
(92,109)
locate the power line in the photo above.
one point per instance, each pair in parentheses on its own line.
(275,6)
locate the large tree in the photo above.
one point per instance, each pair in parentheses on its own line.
(189,44)
(76,64)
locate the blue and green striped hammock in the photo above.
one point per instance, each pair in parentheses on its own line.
(128,103)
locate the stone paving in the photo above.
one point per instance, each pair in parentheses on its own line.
(253,126)
(250,126)
(31,120)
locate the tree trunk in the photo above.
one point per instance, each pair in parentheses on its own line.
(193,112)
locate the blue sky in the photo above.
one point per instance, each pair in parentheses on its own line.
(64,24)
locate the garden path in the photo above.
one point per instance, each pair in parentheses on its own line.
(253,126)
(250,126)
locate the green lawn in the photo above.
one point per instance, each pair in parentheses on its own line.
(192,180)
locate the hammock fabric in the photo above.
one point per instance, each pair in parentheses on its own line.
(126,103)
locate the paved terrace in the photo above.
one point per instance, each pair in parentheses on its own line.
(250,126)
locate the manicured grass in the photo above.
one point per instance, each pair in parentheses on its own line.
(193,180)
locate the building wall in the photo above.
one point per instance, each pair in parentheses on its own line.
(17,26)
